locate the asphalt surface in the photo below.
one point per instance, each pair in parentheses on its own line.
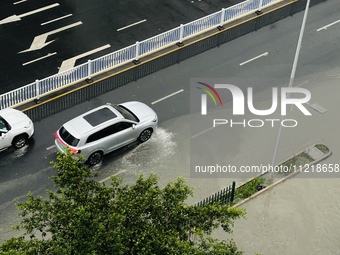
(79,27)
(168,154)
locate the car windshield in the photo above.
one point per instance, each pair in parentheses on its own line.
(127,114)
(67,137)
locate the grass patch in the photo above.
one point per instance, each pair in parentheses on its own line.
(248,188)
(322,148)
(298,160)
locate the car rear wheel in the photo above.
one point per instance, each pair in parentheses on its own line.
(19,141)
(145,135)
(95,158)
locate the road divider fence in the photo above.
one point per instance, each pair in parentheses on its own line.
(40,88)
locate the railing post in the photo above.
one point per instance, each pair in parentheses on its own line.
(259,10)
(136,60)
(37,89)
(233,192)
(181,35)
(89,74)
(220,27)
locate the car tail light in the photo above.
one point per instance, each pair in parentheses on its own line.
(56,135)
(74,151)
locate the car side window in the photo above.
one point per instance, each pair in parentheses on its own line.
(122,125)
(3,125)
(108,131)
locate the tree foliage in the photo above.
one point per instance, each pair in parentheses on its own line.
(83,216)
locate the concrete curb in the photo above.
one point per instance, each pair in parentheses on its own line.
(324,156)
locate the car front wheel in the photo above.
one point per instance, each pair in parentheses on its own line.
(95,158)
(145,135)
(19,141)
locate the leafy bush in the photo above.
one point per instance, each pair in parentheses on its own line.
(249,188)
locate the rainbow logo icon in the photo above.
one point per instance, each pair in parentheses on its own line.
(211,91)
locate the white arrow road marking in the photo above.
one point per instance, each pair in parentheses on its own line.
(37,59)
(40,41)
(69,63)
(18,17)
(252,59)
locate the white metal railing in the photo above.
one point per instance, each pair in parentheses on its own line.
(39,88)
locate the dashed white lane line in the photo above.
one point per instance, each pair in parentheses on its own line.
(252,59)
(327,26)
(19,2)
(37,59)
(108,178)
(163,98)
(51,147)
(54,20)
(131,25)
(201,133)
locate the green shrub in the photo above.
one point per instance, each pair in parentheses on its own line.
(249,188)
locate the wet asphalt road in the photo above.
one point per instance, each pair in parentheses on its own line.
(76,27)
(29,169)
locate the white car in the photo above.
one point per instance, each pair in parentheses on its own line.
(15,128)
(105,129)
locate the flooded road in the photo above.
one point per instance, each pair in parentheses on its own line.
(299,216)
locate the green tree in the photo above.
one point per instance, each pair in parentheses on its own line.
(83,216)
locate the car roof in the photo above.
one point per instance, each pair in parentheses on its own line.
(92,120)
(13,116)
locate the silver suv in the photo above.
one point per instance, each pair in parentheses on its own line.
(105,129)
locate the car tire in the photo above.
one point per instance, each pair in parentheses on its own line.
(95,158)
(145,135)
(19,141)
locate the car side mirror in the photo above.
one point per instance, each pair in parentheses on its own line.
(133,126)
(3,132)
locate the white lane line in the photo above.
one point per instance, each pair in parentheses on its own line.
(69,63)
(18,17)
(327,26)
(108,178)
(201,133)
(19,2)
(252,59)
(51,147)
(39,41)
(119,29)
(35,60)
(53,20)
(175,93)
